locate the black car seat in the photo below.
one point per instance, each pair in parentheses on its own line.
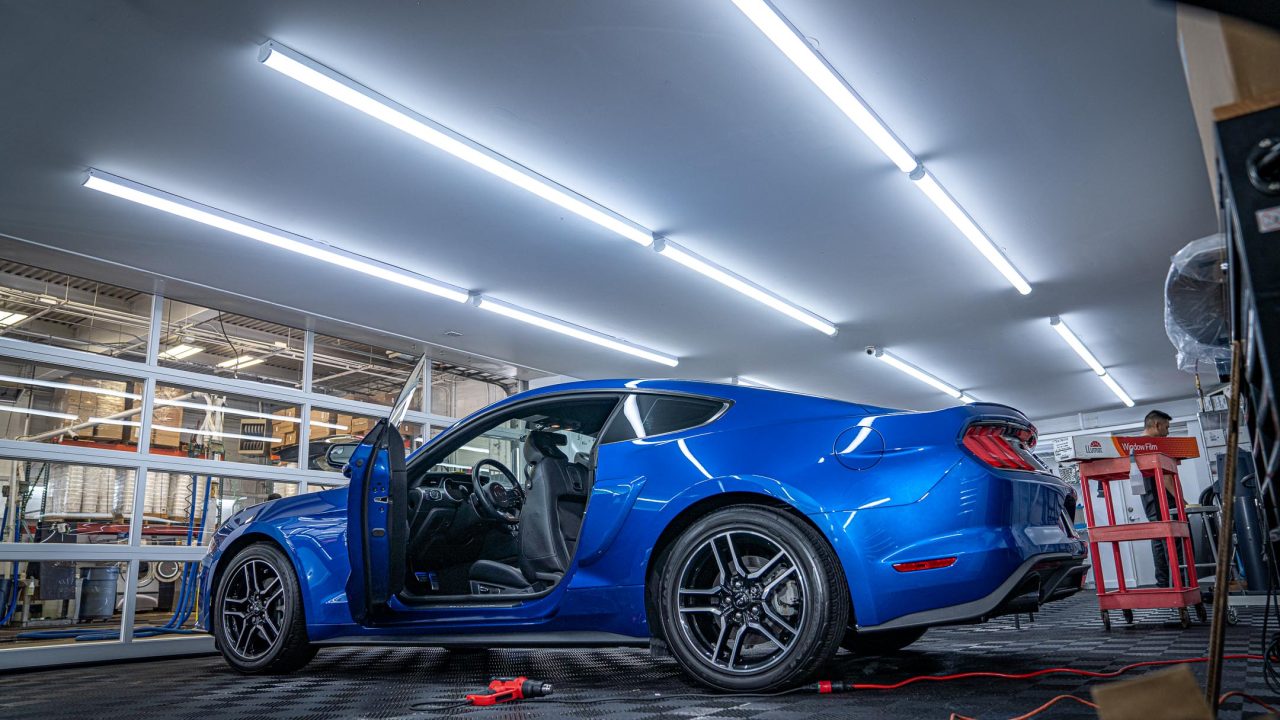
(555,500)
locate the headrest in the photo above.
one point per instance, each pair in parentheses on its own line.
(540,443)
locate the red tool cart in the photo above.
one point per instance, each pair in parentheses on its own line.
(1181,596)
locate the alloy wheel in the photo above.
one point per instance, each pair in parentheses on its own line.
(741,601)
(253,609)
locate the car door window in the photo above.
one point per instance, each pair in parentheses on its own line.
(578,421)
(644,416)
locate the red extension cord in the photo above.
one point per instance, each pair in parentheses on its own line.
(838,686)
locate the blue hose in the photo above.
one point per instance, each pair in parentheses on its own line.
(186,593)
(19,507)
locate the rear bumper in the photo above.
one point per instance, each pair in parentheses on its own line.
(1039,580)
(1008,532)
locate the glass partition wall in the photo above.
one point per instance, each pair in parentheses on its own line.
(132,425)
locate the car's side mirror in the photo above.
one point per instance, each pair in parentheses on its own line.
(338,454)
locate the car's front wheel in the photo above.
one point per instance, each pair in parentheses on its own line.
(257,618)
(751,599)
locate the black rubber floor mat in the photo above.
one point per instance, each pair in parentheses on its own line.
(385,683)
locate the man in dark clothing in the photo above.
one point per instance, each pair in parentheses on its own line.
(1156,424)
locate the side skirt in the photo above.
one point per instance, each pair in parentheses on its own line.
(494,640)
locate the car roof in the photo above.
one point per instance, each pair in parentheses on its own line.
(723,391)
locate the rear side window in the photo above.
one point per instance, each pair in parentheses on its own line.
(643,416)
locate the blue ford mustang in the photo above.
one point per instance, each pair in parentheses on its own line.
(747,533)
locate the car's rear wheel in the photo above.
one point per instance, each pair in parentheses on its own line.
(258,623)
(880,643)
(751,599)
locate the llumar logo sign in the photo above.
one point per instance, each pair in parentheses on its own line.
(1094,447)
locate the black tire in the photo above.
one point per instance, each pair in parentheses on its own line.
(245,637)
(885,642)
(780,587)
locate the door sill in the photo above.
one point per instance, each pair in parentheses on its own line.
(412,600)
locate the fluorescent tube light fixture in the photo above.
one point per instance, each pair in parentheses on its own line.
(11,318)
(926,183)
(150,197)
(186,431)
(932,381)
(787,38)
(345,90)
(241,362)
(1085,354)
(69,386)
(174,205)
(244,413)
(1114,386)
(178,352)
(732,280)
(1074,342)
(40,413)
(575,331)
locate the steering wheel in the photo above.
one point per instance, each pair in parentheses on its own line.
(497,500)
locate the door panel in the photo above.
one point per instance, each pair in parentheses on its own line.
(378,526)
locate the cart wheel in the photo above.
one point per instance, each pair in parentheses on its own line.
(1201,613)
(1106,621)
(1184,617)
(1232,616)
(1128,616)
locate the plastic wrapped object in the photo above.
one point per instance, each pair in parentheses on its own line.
(1195,304)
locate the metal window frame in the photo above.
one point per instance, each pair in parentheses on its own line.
(141,461)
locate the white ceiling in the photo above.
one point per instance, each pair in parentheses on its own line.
(1064,128)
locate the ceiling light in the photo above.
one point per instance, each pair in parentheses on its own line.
(11,318)
(939,196)
(186,431)
(732,280)
(48,299)
(1115,388)
(784,35)
(178,352)
(240,362)
(143,195)
(574,331)
(793,44)
(474,449)
(331,426)
(153,198)
(41,413)
(1065,332)
(70,386)
(344,90)
(931,380)
(1079,347)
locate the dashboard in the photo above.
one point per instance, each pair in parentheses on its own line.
(441,486)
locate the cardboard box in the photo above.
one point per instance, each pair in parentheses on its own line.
(1093,447)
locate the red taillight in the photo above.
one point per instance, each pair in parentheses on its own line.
(1002,446)
(925,564)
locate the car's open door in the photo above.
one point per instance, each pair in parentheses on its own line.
(377,516)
